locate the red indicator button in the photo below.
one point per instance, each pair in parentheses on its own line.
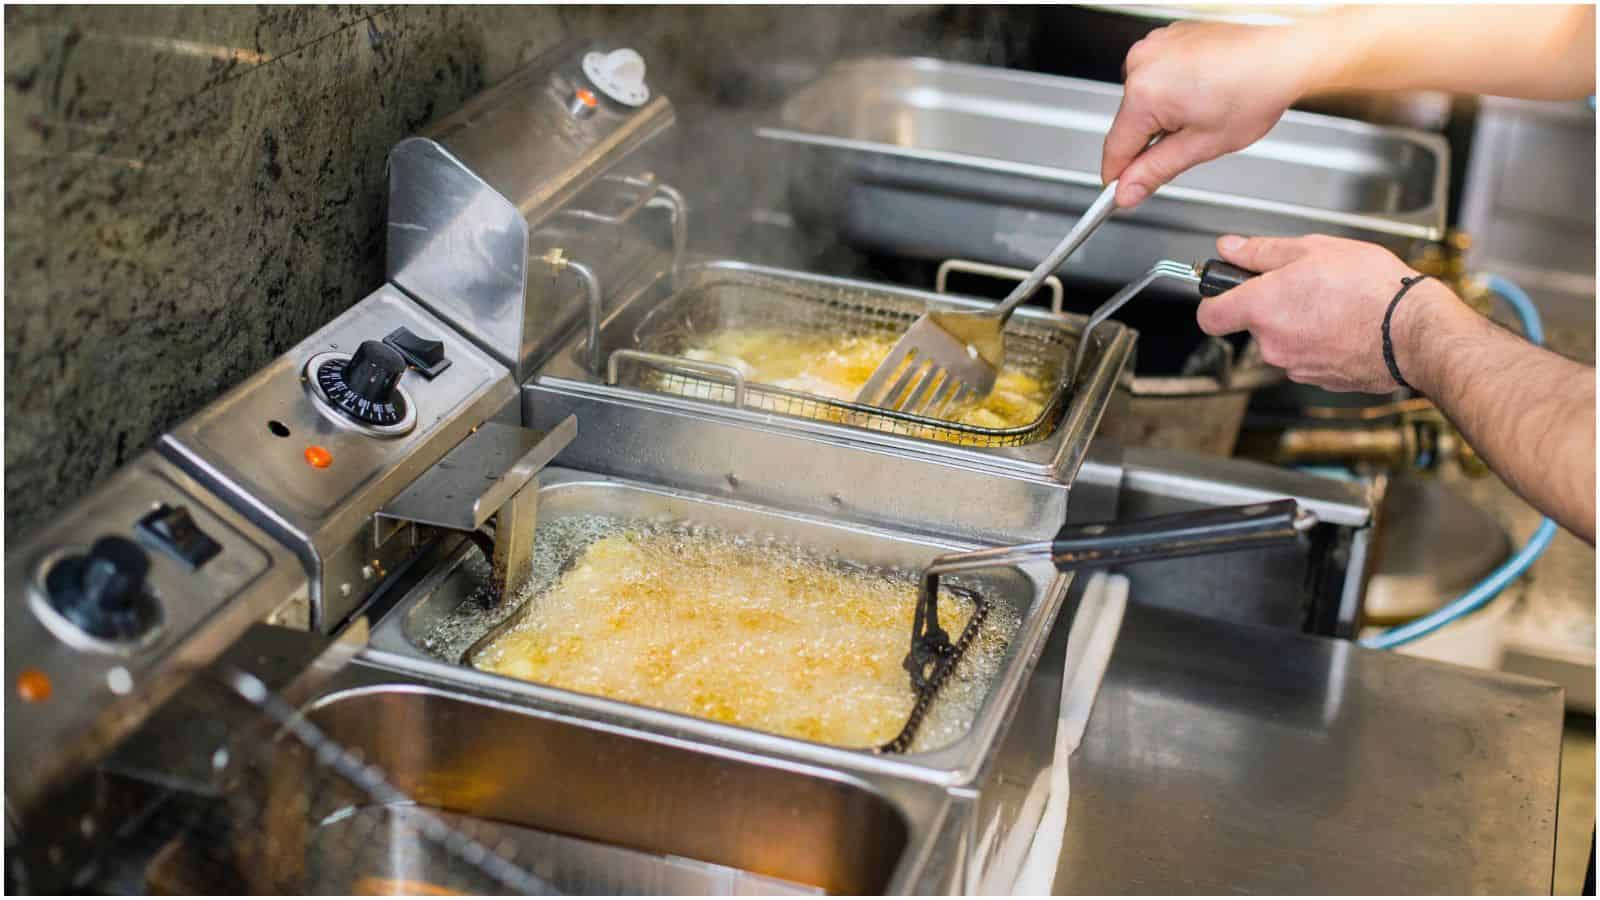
(318,457)
(586,97)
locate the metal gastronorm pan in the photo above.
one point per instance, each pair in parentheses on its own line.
(934,160)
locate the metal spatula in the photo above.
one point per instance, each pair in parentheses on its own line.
(949,358)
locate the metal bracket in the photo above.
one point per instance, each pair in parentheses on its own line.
(479,475)
(490,473)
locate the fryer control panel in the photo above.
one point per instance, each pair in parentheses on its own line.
(142,578)
(317,442)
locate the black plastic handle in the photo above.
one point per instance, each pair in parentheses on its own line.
(1219,530)
(1217,276)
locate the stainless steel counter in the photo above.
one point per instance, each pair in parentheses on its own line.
(1228,759)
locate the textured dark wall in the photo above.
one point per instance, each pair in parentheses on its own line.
(191,190)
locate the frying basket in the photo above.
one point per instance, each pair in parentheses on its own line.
(752,301)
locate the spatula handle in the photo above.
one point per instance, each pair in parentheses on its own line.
(1099,211)
(1217,276)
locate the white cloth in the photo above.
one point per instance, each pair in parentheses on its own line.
(1094,634)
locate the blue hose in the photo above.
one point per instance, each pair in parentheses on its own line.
(1513,568)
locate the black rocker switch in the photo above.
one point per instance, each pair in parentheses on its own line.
(424,355)
(171,530)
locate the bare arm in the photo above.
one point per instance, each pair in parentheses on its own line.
(1529,412)
(1317,311)
(1534,52)
(1216,88)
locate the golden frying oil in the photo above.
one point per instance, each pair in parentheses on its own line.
(838,367)
(759,634)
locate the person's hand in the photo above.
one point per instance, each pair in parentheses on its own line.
(1213,88)
(1317,309)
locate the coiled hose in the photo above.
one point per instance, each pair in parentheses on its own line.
(1513,568)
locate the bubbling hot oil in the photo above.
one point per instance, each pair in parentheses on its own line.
(839,366)
(756,633)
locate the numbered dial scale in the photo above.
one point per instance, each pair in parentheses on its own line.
(364,389)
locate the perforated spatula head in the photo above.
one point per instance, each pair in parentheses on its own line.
(945,359)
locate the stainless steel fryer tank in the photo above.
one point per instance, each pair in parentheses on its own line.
(1045,452)
(938,160)
(996,756)
(438,621)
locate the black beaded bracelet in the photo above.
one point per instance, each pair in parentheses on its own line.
(1388,344)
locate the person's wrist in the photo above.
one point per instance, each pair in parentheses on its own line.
(1428,314)
(1321,58)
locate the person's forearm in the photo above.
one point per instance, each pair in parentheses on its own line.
(1533,52)
(1528,412)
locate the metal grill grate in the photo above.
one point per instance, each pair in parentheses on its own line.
(755,300)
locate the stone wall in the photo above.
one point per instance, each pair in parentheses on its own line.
(191,190)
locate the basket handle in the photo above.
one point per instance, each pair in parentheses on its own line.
(989,270)
(663,361)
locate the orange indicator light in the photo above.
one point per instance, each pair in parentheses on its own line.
(318,457)
(33,686)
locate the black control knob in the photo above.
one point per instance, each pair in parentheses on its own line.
(366,387)
(103,592)
(374,371)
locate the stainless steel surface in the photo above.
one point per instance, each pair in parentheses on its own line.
(325,514)
(1165,268)
(570,865)
(644,439)
(464,197)
(177,746)
(1316,588)
(1210,481)
(1221,759)
(928,159)
(1432,546)
(94,698)
(1052,455)
(615,785)
(1528,202)
(479,475)
(1034,592)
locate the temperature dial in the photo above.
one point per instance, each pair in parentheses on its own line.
(365,388)
(373,374)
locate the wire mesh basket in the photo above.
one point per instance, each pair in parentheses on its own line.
(722,300)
